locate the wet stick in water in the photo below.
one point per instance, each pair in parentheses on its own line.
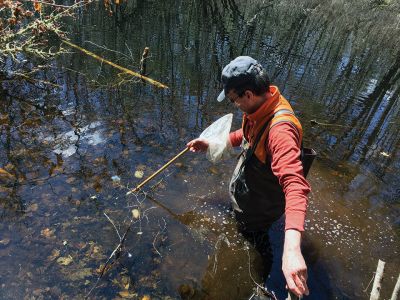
(144,78)
(376,288)
(115,253)
(157,172)
(315,122)
(143,64)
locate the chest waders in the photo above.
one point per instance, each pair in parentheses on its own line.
(257,197)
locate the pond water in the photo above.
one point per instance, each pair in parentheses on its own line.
(71,150)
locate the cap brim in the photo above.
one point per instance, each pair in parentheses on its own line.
(221,96)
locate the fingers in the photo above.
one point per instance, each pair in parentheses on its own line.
(301,284)
(197,145)
(303,278)
(297,283)
(192,145)
(291,285)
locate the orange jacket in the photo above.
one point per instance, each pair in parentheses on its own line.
(254,122)
(281,151)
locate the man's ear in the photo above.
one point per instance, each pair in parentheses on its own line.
(249,94)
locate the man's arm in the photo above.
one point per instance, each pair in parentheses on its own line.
(235,137)
(284,149)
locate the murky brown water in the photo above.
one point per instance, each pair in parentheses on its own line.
(71,153)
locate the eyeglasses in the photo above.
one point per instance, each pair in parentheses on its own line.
(234,99)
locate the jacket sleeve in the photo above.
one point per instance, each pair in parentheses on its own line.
(284,150)
(235,137)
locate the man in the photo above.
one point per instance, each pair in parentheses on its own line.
(268,182)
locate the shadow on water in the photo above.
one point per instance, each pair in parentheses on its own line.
(69,154)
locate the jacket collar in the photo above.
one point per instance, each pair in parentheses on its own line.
(267,107)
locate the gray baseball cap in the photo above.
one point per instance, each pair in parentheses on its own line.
(237,72)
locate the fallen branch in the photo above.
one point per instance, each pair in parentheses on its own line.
(152,81)
(315,122)
(116,252)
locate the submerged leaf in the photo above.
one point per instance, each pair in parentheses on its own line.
(139,174)
(48,233)
(4,242)
(37,6)
(6,175)
(54,254)
(32,208)
(80,274)
(385,154)
(214,170)
(65,261)
(125,281)
(70,180)
(135,213)
(127,295)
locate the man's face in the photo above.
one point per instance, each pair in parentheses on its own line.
(246,102)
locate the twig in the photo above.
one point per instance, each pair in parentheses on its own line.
(113,225)
(369,283)
(155,238)
(34,80)
(107,49)
(116,252)
(215,266)
(145,215)
(315,122)
(130,52)
(259,286)
(143,64)
(49,4)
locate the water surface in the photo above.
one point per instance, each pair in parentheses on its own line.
(72,151)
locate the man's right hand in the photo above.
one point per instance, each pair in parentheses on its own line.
(197,145)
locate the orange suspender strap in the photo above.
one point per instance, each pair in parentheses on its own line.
(280,116)
(286,115)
